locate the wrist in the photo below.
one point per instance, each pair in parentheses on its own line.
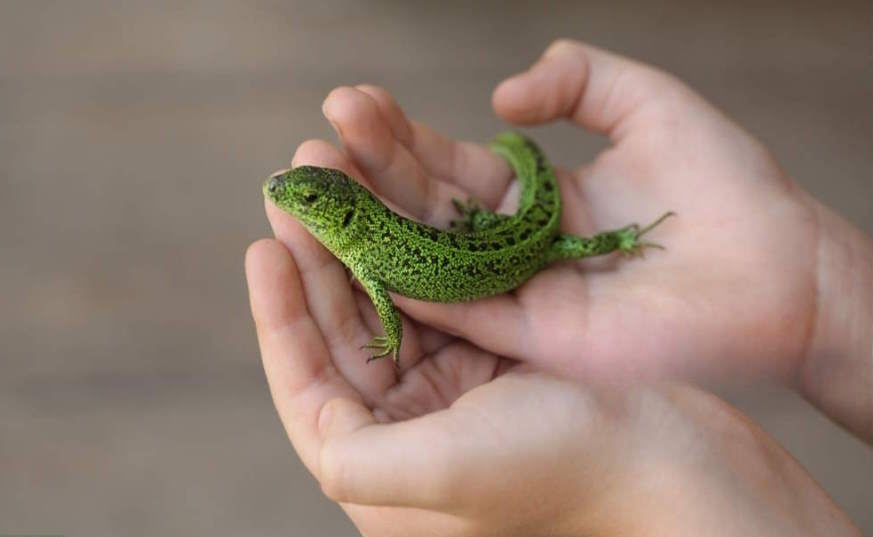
(836,373)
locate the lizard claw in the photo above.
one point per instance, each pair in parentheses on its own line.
(629,242)
(383,346)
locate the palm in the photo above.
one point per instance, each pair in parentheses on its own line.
(730,265)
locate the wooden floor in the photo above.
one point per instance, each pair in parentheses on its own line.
(133,141)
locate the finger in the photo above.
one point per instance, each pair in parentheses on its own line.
(411,463)
(391,112)
(329,295)
(472,167)
(597,89)
(343,416)
(496,324)
(383,521)
(438,381)
(295,356)
(393,171)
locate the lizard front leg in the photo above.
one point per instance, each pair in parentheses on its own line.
(388,316)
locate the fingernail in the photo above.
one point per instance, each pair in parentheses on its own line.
(326,417)
(333,123)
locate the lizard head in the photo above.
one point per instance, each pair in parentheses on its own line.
(324,200)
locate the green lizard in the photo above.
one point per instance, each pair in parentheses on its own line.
(485,254)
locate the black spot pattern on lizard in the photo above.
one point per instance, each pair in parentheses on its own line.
(427,263)
(462,266)
(386,252)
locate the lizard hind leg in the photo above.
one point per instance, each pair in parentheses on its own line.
(625,240)
(629,242)
(474,217)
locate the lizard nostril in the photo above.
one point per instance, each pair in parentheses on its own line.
(274,184)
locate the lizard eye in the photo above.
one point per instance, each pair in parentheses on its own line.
(310,198)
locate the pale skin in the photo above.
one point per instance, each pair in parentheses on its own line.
(758,279)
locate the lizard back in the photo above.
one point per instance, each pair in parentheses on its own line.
(427,263)
(387,252)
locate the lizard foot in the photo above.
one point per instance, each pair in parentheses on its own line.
(383,346)
(629,242)
(475,217)
(467,211)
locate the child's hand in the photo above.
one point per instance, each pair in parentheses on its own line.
(757,278)
(523,454)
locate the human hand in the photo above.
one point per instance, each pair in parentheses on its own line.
(757,279)
(518,455)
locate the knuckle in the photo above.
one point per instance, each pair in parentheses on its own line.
(657,78)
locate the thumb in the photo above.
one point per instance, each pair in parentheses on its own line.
(341,416)
(596,89)
(412,463)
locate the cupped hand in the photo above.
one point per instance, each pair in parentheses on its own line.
(460,445)
(463,425)
(735,289)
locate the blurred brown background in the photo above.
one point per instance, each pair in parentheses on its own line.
(133,140)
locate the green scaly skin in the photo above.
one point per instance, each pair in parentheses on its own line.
(485,254)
